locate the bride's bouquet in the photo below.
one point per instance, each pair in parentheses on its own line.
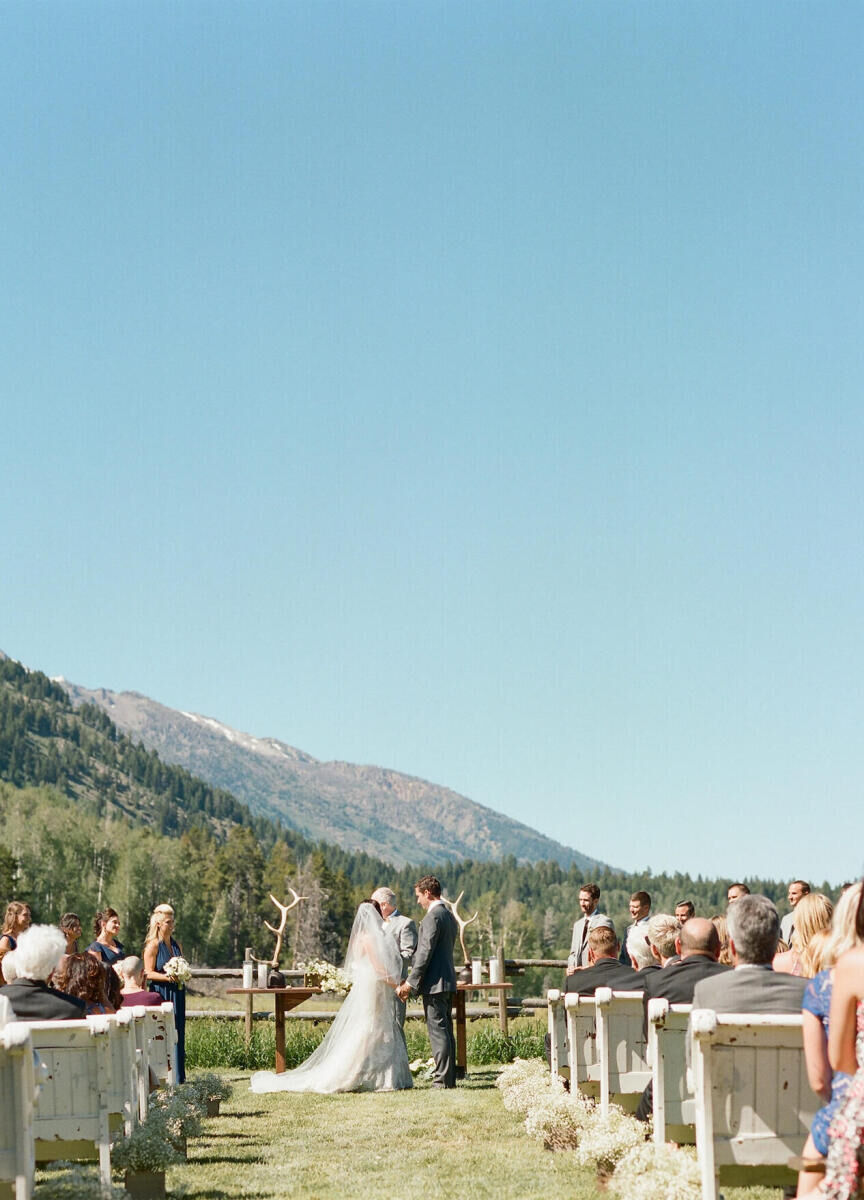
(331,979)
(178,970)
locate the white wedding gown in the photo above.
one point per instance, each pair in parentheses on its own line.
(364,1050)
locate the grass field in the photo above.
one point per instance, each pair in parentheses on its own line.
(383,1146)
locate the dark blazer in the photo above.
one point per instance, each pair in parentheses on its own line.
(677,980)
(34,1000)
(606,972)
(750,989)
(432,970)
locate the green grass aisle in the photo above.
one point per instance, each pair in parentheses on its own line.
(380,1147)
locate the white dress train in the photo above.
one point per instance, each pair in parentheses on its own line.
(364,1050)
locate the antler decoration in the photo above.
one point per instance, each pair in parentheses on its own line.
(284,910)
(461,922)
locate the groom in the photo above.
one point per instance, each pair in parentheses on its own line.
(434,976)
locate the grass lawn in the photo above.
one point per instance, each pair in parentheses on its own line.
(380,1147)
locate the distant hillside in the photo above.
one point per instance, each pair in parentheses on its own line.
(383,813)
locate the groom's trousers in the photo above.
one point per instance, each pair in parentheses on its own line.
(438,1011)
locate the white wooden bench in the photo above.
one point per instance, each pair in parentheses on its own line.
(582,1043)
(72,1117)
(123,1081)
(557,1025)
(674,1106)
(17,1099)
(754,1105)
(160,1037)
(622,1062)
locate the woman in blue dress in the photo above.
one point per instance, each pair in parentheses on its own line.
(832,1086)
(159,948)
(106,926)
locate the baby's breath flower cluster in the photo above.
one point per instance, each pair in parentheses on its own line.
(149,1147)
(333,979)
(650,1172)
(182,1108)
(525,1083)
(210,1086)
(605,1140)
(558,1119)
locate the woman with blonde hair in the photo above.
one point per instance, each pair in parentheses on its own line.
(159,948)
(719,923)
(17,919)
(812,913)
(832,1086)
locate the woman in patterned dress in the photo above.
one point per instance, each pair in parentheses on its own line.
(843,1175)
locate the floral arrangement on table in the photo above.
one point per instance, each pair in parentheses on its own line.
(329,978)
(616,1146)
(178,970)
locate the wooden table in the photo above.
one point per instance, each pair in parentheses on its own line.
(461,1019)
(286,999)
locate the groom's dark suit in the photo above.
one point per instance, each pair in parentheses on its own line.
(434,976)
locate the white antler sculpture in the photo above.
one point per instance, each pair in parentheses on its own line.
(461,922)
(284,910)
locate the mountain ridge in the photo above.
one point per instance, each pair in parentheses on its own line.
(388,814)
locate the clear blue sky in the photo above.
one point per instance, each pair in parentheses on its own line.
(470,389)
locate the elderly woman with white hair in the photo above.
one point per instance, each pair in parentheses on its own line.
(37,954)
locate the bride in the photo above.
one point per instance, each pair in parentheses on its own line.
(364,1050)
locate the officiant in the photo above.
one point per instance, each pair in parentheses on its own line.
(404,931)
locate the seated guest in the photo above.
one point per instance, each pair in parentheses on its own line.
(812,913)
(663,931)
(640,910)
(39,950)
(106,926)
(113,987)
(754,930)
(6,1013)
(698,947)
(639,953)
(132,991)
(604,969)
(832,1086)
(17,919)
(719,923)
(83,976)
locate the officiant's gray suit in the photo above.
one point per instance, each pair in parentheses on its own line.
(434,977)
(404,931)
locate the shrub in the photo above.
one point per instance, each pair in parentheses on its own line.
(151,1146)
(210,1087)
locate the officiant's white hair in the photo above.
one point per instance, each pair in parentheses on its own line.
(385,895)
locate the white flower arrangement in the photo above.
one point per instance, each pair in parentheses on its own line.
(333,979)
(650,1172)
(605,1140)
(150,1146)
(559,1120)
(422,1068)
(178,970)
(526,1083)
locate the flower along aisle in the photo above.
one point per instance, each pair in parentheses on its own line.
(615,1146)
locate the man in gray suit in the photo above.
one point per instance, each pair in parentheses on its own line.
(404,932)
(589,900)
(754,930)
(434,976)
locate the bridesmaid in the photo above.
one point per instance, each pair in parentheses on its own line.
(17,919)
(106,926)
(159,947)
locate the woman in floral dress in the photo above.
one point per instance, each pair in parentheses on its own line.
(843,1175)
